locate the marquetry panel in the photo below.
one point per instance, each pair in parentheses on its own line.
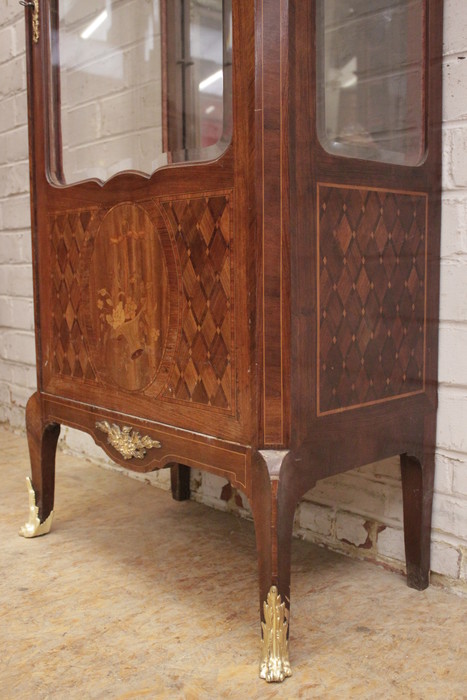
(144,286)
(202,229)
(126,309)
(371,288)
(69,356)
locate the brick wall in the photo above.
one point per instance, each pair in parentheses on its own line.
(17,373)
(360,512)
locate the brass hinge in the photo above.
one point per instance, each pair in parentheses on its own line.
(34,4)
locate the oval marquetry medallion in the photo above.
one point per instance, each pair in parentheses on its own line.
(127,297)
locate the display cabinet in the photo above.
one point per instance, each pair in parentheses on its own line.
(235,220)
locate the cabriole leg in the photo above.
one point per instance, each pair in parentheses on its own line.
(273,512)
(417,491)
(42,442)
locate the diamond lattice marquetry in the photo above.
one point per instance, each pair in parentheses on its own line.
(201,227)
(202,230)
(69,356)
(372,258)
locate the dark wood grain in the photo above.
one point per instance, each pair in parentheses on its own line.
(42,441)
(371,296)
(180,482)
(272,168)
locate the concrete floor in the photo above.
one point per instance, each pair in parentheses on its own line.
(135,596)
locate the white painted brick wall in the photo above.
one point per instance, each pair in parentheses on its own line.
(111,104)
(358,513)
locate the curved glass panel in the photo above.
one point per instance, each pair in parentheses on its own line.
(138,84)
(370,79)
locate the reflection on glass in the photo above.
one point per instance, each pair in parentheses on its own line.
(138,84)
(198,77)
(370,69)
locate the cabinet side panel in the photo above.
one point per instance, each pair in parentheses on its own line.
(364,277)
(372,296)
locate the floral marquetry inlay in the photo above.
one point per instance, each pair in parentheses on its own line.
(115,296)
(142,298)
(126,310)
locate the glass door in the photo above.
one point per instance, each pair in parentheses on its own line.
(137,85)
(138,196)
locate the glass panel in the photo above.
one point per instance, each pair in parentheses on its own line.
(370,76)
(138,84)
(198,78)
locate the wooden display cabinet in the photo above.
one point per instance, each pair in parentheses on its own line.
(235,219)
